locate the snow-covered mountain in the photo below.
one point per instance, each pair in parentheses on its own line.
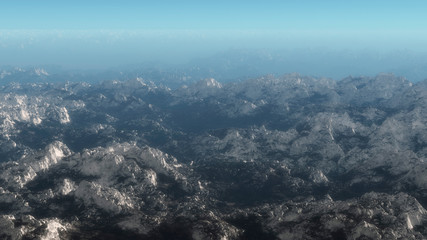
(289,157)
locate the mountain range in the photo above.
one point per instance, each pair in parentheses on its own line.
(271,157)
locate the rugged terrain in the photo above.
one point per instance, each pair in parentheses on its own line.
(287,157)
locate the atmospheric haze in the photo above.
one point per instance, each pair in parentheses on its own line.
(328,38)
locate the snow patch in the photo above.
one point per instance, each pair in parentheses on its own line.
(41,72)
(151,177)
(367,230)
(109,199)
(318,177)
(67,187)
(210,82)
(53,230)
(64,118)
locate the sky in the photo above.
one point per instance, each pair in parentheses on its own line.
(304,15)
(96,34)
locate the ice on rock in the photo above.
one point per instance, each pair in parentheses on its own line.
(67,187)
(36,120)
(101,164)
(26,169)
(24,116)
(157,160)
(365,229)
(151,177)
(55,153)
(64,118)
(27,225)
(207,83)
(41,72)
(53,229)
(201,89)
(7,227)
(318,177)
(27,175)
(106,198)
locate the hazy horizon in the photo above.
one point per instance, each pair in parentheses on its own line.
(105,34)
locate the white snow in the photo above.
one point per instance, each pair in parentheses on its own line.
(155,159)
(40,72)
(53,156)
(67,187)
(36,120)
(331,130)
(53,230)
(27,168)
(151,177)
(365,229)
(318,177)
(212,83)
(64,118)
(106,198)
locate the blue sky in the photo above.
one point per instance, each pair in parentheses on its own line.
(96,34)
(278,15)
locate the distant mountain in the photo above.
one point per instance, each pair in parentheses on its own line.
(240,64)
(289,157)
(237,65)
